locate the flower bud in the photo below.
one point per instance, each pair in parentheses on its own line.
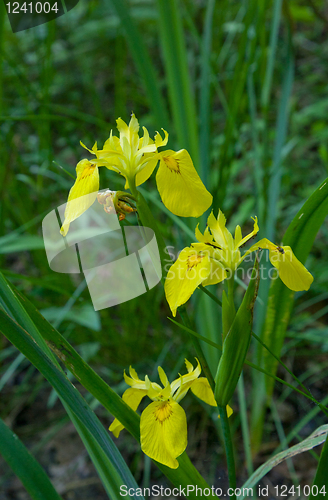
(236,343)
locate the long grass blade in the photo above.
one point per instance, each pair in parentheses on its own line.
(315,439)
(185,475)
(119,473)
(25,466)
(101,457)
(321,476)
(179,84)
(205,94)
(143,63)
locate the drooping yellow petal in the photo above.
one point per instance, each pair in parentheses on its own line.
(202,389)
(185,275)
(291,271)
(83,193)
(131,397)
(179,185)
(163,432)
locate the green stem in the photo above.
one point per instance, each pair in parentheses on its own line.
(147,219)
(198,348)
(228,449)
(228,306)
(203,289)
(231,283)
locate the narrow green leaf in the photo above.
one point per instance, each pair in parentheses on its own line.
(266,90)
(120,474)
(179,84)
(143,63)
(321,476)
(101,460)
(185,475)
(25,466)
(205,94)
(316,438)
(21,243)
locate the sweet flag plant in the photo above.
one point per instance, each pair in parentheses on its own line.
(217,255)
(135,158)
(163,424)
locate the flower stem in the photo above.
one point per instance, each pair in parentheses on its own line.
(228,449)
(231,283)
(198,348)
(146,218)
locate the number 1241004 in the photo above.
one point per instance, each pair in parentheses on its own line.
(32,7)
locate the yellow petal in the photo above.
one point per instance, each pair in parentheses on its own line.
(184,382)
(206,237)
(229,411)
(238,236)
(250,235)
(83,193)
(123,128)
(147,169)
(131,397)
(202,389)
(163,432)
(158,139)
(217,274)
(157,393)
(179,185)
(134,380)
(187,273)
(291,271)
(162,376)
(221,234)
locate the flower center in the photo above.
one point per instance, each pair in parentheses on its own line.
(172,164)
(194,260)
(88,171)
(163,411)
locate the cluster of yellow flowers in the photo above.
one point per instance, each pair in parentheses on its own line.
(135,158)
(213,258)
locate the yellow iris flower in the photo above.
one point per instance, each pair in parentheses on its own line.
(217,255)
(135,158)
(163,424)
